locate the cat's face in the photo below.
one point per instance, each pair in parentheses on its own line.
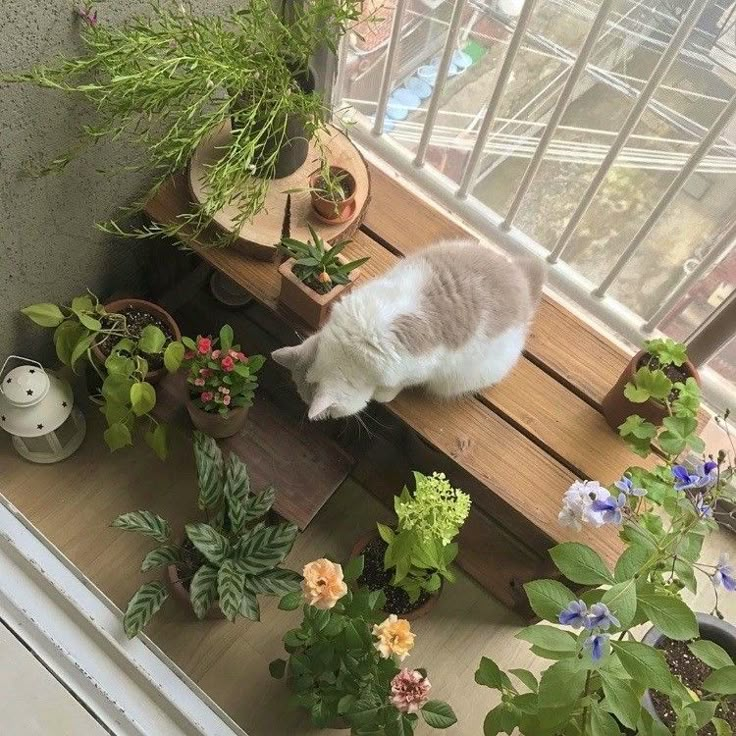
(323,382)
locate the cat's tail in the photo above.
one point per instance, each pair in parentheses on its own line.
(535,273)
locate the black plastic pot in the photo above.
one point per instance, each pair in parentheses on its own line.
(711,629)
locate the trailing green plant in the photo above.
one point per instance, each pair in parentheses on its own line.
(343,659)
(317,264)
(598,670)
(420,549)
(169,80)
(124,396)
(680,398)
(229,559)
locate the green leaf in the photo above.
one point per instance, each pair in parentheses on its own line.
(438,714)
(156,439)
(142,398)
(203,590)
(230,588)
(82,304)
(502,719)
(670,615)
(621,599)
(116,388)
(621,700)
(638,427)
(91,323)
(645,664)
(709,652)
(226,338)
(580,564)
(548,637)
(602,722)
(702,711)
(249,607)
(277,668)
(548,598)
(648,384)
(275,582)
(80,349)
(527,678)
(490,675)
(265,548)
(117,436)
(236,489)
(562,684)
(208,541)
(173,356)
(722,681)
(630,562)
(143,605)
(45,315)
(291,601)
(258,506)
(209,461)
(677,436)
(722,728)
(165,555)
(354,569)
(66,337)
(151,340)
(144,522)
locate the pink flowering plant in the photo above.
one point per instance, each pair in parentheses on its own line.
(347,659)
(220,376)
(599,670)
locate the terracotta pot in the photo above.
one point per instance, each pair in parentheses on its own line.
(216,425)
(182,594)
(311,306)
(711,629)
(616,407)
(424,609)
(145,306)
(326,209)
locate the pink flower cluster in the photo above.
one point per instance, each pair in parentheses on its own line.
(409,691)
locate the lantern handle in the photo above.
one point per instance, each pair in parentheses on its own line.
(20,359)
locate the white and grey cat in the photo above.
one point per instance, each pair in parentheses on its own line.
(452,318)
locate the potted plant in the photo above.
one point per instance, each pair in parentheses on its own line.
(332,190)
(221,383)
(170,80)
(227,560)
(654,378)
(343,662)
(598,670)
(128,344)
(410,563)
(314,276)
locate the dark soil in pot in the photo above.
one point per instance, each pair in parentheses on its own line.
(375,577)
(137,319)
(692,673)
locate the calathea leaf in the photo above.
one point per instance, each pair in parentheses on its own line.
(274,582)
(203,590)
(258,506)
(249,607)
(161,556)
(266,548)
(237,482)
(208,458)
(209,542)
(143,605)
(144,522)
(230,587)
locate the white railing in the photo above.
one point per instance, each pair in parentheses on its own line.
(486,138)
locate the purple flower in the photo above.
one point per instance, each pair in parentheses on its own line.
(724,574)
(703,476)
(88,15)
(703,509)
(575,615)
(596,645)
(626,485)
(610,508)
(601,618)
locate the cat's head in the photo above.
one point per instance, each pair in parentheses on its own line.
(326,378)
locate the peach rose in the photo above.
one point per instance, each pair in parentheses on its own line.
(394,637)
(323,584)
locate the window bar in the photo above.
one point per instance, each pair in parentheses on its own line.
(672,191)
(388,69)
(717,251)
(706,340)
(471,168)
(663,65)
(434,103)
(575,72)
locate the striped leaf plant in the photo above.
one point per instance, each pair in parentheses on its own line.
(229,559)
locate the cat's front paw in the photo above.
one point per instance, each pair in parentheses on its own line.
(384,394)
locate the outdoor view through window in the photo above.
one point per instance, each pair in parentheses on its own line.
(684,107)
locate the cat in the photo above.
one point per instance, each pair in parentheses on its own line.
(451,318)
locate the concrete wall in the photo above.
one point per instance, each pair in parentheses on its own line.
(49,247)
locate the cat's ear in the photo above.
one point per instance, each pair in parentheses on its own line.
(321,405)
(298,355)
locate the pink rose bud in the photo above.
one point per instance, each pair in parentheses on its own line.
(206,396)
(226,400)
(215,354)
(204,344)
(242,357)
(199,381)
(228,364)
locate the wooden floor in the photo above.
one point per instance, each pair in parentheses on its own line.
(74,502)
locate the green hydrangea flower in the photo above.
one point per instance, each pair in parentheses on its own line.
(436,511)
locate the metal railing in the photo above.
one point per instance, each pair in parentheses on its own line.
(710,150)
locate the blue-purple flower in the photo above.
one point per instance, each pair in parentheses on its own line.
(575,615)
(703,476)
(596,645)
(611,508)
(626,485)
(88,15)
(724,574)
(600,617)
(704,510)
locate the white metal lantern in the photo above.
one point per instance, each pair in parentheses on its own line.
(38,410)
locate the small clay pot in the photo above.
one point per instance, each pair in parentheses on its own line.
(425,608)
(179,591)
(328,210)
(616,407)
(144,306)
(311,306)
(217,425)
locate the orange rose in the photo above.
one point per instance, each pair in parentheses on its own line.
(323,584)
(394,637)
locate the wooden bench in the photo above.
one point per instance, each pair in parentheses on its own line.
(516,447)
